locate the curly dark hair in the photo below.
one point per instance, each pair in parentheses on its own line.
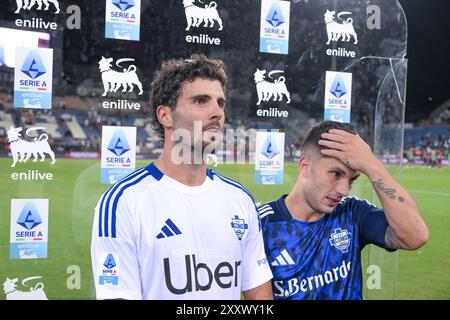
(168,81)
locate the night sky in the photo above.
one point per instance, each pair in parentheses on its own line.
(428,56)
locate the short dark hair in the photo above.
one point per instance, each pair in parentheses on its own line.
(168,81)
(314,135)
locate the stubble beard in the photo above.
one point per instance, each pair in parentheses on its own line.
(190,136)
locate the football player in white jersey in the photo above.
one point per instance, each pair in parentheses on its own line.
(176,229)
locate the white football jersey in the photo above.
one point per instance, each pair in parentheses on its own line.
(155,238)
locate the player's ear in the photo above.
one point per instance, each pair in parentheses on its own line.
(164,114)
(304,165)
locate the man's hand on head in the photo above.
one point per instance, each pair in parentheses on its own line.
(349,148)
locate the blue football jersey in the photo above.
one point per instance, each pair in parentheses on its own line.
(320,259)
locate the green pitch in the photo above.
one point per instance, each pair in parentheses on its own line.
(75,190)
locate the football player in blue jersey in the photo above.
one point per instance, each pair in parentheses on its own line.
(314,235)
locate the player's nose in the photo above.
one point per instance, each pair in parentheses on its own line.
(343,187)
(217,111)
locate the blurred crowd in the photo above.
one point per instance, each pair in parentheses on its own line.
(428,150)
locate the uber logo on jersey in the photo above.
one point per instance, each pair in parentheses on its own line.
(224,274)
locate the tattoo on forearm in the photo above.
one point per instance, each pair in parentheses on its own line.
(391,241)
(389,192)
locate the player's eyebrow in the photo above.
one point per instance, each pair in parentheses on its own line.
(201,96)
(222,101)
(343,172)
(338,169)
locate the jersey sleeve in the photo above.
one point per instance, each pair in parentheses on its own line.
(255,266)
(372,224)
(114,255)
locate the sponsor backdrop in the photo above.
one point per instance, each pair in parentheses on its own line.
(75,116)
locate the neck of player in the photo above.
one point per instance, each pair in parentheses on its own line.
(299,208)
(192,175)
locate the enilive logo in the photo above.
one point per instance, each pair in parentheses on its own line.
(339,30)
(73,20)
(123,5)
(267,90)
(28,5)
(22,150)
(119,143)
(29,217)
(222,274)
(196,15)
(270,148)
(113,80)
(34,292)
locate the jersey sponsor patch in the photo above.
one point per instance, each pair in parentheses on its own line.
(200,276)
(109,269)
(291,287)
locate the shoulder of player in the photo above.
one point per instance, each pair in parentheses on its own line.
(266,210)
(131,185)
(357,207)
(120,200)
(230,184)
(352,201)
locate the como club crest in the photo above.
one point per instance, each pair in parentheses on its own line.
(340,239)
(239,226)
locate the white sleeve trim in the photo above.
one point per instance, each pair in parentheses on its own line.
(263,279)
